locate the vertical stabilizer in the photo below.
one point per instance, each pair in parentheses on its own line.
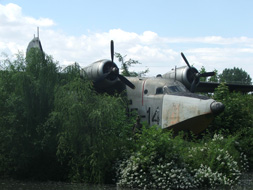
(35,43)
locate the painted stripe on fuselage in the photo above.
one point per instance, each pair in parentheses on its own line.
(143,85)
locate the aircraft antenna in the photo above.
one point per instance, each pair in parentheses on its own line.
(38,32)
(175,73)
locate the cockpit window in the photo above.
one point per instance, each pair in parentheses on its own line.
(169,89)
(174,89)
(159,90)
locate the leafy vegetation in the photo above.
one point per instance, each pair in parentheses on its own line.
(125,65)
(27,94)
(55,126)
(235,75)
(162,161)
(92,131)
(236,120)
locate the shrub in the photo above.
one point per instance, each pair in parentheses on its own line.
(237,114)
(93,131)
(215,161)
(236,120)
(156,163)
(162,161)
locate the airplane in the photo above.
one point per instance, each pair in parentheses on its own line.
(168,100)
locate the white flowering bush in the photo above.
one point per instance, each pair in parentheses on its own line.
(245,145)
(168,175)
(244,162)
(156,164)
(215,162)
(164,162)
(159,175)
(223,170)
(207,177)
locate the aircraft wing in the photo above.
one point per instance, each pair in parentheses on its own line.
(210,87)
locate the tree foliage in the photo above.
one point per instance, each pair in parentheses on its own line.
(27,93)
(92,130)
(214,78)
(238,110)
(54,125)
(125,65)
(235,75)
(161,161)
(236,120)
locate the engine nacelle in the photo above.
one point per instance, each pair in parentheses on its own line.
(98,73)
(182,74)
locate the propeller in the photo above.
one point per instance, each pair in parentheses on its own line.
(195,74)
(112,50)
(114,71)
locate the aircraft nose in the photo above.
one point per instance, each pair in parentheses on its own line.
(217,107)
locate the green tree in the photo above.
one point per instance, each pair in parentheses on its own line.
(235,75)
(236,120)
(93,131)
(55,126)
(125,65)
(213,78)
(237,114)
(27,96)
(202,70)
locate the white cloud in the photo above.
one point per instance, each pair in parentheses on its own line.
(160,54)
(218,40)
(16,29)
(149,37)
(11,14)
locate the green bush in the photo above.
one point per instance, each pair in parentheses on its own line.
(166,162)
(93,131)
(236,120)
(245,146)
(156,163)
(215,161)
(54,126)
(27,93)
(238,113)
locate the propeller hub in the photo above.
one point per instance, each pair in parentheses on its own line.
(115,70)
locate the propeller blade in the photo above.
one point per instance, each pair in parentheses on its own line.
(112,50)
(207,74)
(126,81)
(114,72)
(186,61)
(194,85)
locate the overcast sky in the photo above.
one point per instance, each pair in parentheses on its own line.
(216,34)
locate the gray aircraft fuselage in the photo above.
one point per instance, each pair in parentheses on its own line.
(163,101)
(167,103)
